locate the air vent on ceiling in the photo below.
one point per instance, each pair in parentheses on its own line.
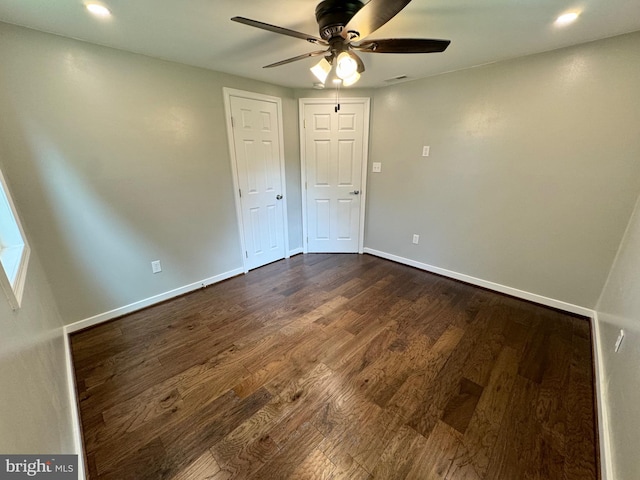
(396,79)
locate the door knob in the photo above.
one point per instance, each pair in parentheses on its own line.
(278,197)
(355,192)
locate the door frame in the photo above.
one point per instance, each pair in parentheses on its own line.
(302,102)
(232,92)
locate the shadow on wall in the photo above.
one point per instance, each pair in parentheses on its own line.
(99,225)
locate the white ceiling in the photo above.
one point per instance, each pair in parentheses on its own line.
(199,32)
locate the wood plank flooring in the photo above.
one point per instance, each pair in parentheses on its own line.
(338,367)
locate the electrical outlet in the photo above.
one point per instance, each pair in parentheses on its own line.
(416,239)
(156,267)
(619,341)
(377,167)
(425,151)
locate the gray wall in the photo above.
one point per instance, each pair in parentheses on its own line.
(619,308)
(533,171)
(35,408)
(119,159)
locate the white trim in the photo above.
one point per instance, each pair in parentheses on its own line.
(228,93)
(234,174)
(366,102)
(132,307)
(514,292)
(606,467)
(296,251)
(73,405)
(303,174)
(365,169)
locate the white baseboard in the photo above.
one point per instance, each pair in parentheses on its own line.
(606,467)
(73,405)
(514,292)
(132,307)
(600,384)
(103,317)
(603,430)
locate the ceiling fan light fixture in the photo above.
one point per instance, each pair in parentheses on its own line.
(346,66)
(341,22)
(321,69)
(347,82)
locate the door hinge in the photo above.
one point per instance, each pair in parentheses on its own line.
(240,192)
(246,254)
(305,185)
(233,123)
(304,123)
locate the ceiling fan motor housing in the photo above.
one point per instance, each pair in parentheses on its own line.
(333,15)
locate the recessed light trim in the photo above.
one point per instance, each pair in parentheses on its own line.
(98,9)
(567,18)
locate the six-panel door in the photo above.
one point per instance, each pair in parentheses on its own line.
(334,155)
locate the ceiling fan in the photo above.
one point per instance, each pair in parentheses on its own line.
(344,25)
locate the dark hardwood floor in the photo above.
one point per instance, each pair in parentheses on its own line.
(338,367)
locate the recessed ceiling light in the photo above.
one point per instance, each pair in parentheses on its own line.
(566,18)
(99,10)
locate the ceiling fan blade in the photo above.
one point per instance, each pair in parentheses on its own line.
(371,17)
(280,30)
(403,45)
(299,57)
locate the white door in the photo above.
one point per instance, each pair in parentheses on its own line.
(258,161)
(334,148)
